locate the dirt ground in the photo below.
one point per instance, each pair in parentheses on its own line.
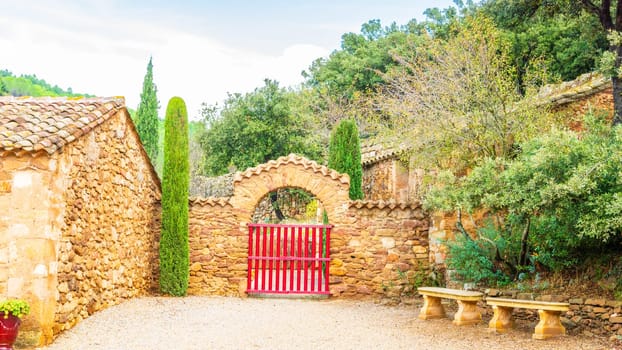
(232,323)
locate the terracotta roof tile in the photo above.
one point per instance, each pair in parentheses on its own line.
(374,151)
(292,159)
(381,204)
(210,201)
(49,123)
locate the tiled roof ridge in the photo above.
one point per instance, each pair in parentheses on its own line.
(292,159)
(382,204)
(374,151)
(569,91)
(210,201)
(46,124)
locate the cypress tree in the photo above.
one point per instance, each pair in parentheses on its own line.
(344,155)
(174,255)
(147,115)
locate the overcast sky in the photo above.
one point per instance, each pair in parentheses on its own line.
(201,49)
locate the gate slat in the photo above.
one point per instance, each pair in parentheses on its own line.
(299,256)
(285,260)
(257,253)
(278,259)
(306,262)
(292,254)
(314,253)
(263,259)
(271,255)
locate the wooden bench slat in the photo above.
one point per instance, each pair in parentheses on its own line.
(528,304)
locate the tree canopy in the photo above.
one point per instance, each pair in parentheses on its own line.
(254,128)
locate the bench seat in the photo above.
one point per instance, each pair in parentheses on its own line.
(549,312)
(467,304)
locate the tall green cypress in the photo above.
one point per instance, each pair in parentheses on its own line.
(344,155)
(174,252)
(147,115)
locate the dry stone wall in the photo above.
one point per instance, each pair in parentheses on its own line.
(218,249)
(381,249)
(108,251)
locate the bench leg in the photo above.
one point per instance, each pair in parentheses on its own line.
(502,319)
(549,326)
(432,308)
(467,313)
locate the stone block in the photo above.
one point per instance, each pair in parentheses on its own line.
(613,303)
(596,302)
(576,301)
(615,319)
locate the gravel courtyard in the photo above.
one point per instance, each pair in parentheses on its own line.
(230,323)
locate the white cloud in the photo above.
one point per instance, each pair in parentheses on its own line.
(108,57)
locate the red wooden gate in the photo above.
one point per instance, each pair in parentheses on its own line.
(288,259)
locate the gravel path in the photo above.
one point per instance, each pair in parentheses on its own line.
(231,323)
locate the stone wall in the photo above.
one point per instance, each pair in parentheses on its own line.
(382,249)
(378,181)
(108,251)
(376,247)
(573,112)
(31,220)
(391,179)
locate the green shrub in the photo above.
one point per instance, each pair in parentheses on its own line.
(174,251)
(473,260)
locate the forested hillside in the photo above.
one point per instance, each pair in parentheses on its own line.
(30,85)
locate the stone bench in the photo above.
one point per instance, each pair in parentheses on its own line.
(549,326)
(467,304)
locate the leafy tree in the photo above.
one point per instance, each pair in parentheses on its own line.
(608,13)
(455,101)
(3,89)
(565,38)
(174,251)
(254,128)
(344,155)
(147,115)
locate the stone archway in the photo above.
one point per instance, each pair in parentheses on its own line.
(329,186)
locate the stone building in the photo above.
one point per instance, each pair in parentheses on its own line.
(79,210)
(387,174)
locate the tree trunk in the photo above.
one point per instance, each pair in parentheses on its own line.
(522,260)
(460,227)
(277,211)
